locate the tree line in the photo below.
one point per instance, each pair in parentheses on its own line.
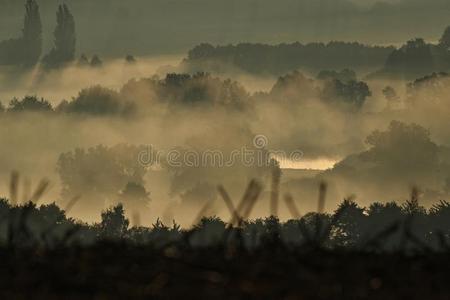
(26,50)
(379,227)
(200,90)
(283,58)
(415,58)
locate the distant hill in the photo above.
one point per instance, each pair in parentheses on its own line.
(415,59)
(283,58)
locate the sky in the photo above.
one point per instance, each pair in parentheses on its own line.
(114,28)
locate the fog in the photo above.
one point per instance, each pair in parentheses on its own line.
(296,114)
(66,83)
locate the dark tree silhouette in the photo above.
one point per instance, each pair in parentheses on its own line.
(135,198)
(114,223)
(430,89)
(130,59)
(26,50)
(98,100)
(439,216)
(201,89)
(32,34)
(30,104)
(352,94)
(445,39)
(96,61)
(345,75)
(380,227)
(403,143)
(283,58)
(350,226)
(415,58)
(64,39)
(294,86)
(83,61)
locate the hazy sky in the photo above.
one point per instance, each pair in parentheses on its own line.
(112,27)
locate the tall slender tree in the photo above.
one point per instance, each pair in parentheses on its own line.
(445,39)
(63,50)
(26,49)
(32,34)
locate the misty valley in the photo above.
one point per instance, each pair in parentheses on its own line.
(313,145)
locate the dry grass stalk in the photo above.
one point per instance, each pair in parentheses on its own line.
(290,203)
(275,189)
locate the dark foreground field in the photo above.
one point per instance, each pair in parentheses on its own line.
(386,251)
(116,270)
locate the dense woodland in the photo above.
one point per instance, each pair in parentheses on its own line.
(414,59)
(279,59)
(197,90)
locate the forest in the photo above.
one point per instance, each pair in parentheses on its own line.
(367,120)
(224,150)
(416,58)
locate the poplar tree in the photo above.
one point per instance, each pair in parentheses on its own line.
(63,50)
(31,34)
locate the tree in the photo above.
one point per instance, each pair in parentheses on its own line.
(25,50)
(32,34)
(345,75)
(135,197)
(202,89)
(439,217)
(413,59)
(30,104)
(114,224)
(96,61)
(83,61)
(404,143)
(293,87)
(445,39)
(64,39)
(98,174)
(350,225)
(430,89)
(201,51)
(130,59)
(280,59)
(382,217)
(209,231)
(352,94)
(98,100)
